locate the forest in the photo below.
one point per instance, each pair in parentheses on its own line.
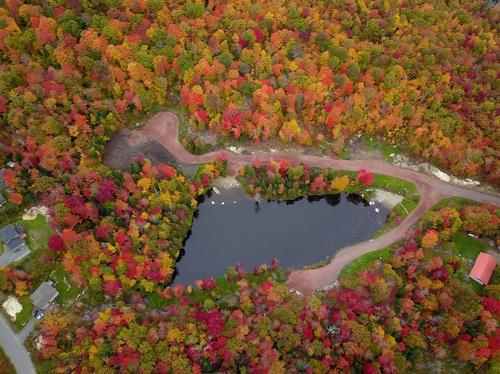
(418,73)
(421,74)
(383,321)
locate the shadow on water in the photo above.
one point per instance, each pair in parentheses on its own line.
(229,228)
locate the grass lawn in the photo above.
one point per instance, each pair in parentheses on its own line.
(454,202)
(38,231)
(371,142)
(395,185)
(401,187)
(467,246)
(26,313)
(344,154)
(67,288)
(349,274)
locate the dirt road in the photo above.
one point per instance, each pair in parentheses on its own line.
(164,129)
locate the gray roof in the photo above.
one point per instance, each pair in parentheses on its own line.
(2,200)
(11,238)
(8,233)
(43,295)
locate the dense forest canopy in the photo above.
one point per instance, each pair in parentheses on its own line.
(424,73)
(382,321)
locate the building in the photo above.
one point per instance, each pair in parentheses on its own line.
(11,236)
(44,295)
(483,268)
(2,200)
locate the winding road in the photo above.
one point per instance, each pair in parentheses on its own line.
(164,129)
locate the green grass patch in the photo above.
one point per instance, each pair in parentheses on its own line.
(388,151)
(461,244)
(67,288)
(349,274)
(38,232)
(467,246)
(456,203)
(401,187)
(395,185)
(25,314)
(344,154)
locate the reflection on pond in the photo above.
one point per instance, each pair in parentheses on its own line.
(231,228)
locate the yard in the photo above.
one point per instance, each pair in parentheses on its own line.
(38,232)
(67,288)
(26,313)
(467,246)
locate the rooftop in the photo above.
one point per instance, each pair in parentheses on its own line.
(10,235)
(483,268)
(44,295)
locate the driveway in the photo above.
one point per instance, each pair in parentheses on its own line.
(9,257)
(15,349)
(27,330)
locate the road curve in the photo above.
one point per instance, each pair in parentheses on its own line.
(164,128)
(15,349)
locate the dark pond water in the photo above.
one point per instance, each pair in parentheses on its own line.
(231,228)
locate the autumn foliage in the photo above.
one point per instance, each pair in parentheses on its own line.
(410,306)
(122,231)
(282,181)
(312,72)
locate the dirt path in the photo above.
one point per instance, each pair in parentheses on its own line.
(164,129)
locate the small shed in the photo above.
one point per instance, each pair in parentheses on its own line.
(44,295)
(483,268)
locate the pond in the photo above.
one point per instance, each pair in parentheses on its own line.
(230,227)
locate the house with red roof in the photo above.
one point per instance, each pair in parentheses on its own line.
(483,268)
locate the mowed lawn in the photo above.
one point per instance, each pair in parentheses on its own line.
(38,232)
(67,288)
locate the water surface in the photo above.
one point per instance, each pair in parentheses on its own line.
(231,228)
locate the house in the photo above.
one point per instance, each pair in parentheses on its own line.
(2,200)
(483,268)
(15,246)
(44,295)
(11,236)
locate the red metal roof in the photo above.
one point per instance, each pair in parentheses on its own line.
(483,268)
